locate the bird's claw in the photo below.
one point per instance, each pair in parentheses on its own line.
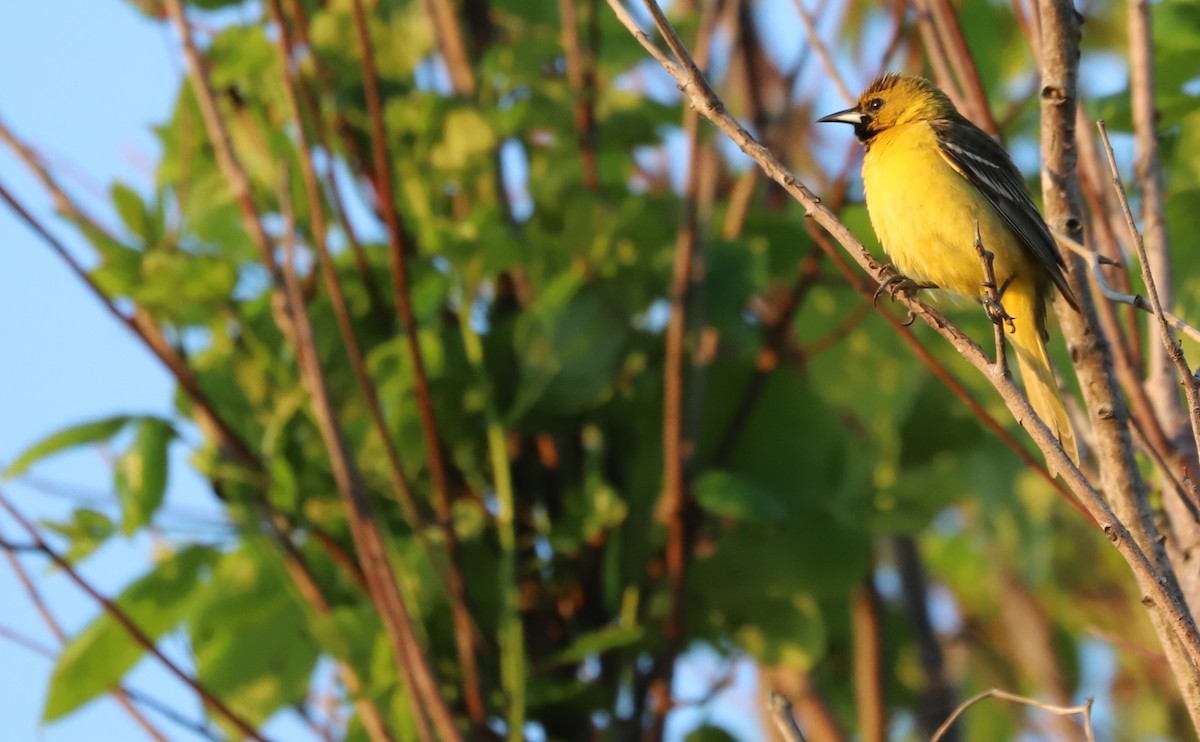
(993,307)
(896,283)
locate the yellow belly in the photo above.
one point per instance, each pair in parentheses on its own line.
(925,212)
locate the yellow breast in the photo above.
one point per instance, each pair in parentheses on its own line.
(924,212)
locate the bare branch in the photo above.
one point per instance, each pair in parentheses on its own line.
(955,44)
(382,585)
(1095,260)
(119,694)
(1120,477)
(676,507)
(399,244)
(818,45)
(130,626)
(869,699)
(582,75)
(1190,384)
(993,301)
(780,709)
(1084,710)
(450,40)
(1156,260)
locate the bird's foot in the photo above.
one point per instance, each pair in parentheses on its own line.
(992,305)
(897,283)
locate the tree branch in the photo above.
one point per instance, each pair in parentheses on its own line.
(130,626)
(1172,347)
(120,694)
(676,507)
(1119,474)
(1084,710)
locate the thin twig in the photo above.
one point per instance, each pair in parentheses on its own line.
(1095,260)
(935,52)
(817,44)
(511,629)
(355,355)
(450,40)
(1147,423)
(993,301)
(139,324)
(946,22)
(119,693)
(1155,252)
(869,702)
(581,74)
(675,508)
(1084,710)
(937,697)
(135,632)
(1174,350)
(780,709)
(382,586)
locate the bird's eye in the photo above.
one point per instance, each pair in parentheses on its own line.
(874,104)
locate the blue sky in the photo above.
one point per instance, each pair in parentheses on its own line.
(81,80)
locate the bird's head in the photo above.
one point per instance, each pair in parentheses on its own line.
(894,100)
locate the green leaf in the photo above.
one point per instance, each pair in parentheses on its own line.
(141,474)
(252,640)
(709,733)
(87,531)
(598,642)
(727,494)
(569,346)
(132,210)
(79,435)
(99,656)
(791,444)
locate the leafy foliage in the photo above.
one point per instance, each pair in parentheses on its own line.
(554,247)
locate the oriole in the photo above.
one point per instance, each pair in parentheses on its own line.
(931,176)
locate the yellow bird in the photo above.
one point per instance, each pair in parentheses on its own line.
(931,176)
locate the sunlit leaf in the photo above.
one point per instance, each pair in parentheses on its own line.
(98,657)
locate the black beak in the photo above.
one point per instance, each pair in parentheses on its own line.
(849,116)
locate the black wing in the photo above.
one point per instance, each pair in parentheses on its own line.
(988,167)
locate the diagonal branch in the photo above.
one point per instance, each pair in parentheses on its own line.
(119,693)
(702,97)
(382,586)
(130,626)
(1120,477)
(454,581)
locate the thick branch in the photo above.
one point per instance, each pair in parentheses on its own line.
(1119,474)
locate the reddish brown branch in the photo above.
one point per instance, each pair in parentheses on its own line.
(675,508)
(130,626)
(868,664)
(400,247)
(119,694)
(450,40)
(948,28)
(582,75)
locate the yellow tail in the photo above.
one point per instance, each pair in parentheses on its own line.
(1028,309)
